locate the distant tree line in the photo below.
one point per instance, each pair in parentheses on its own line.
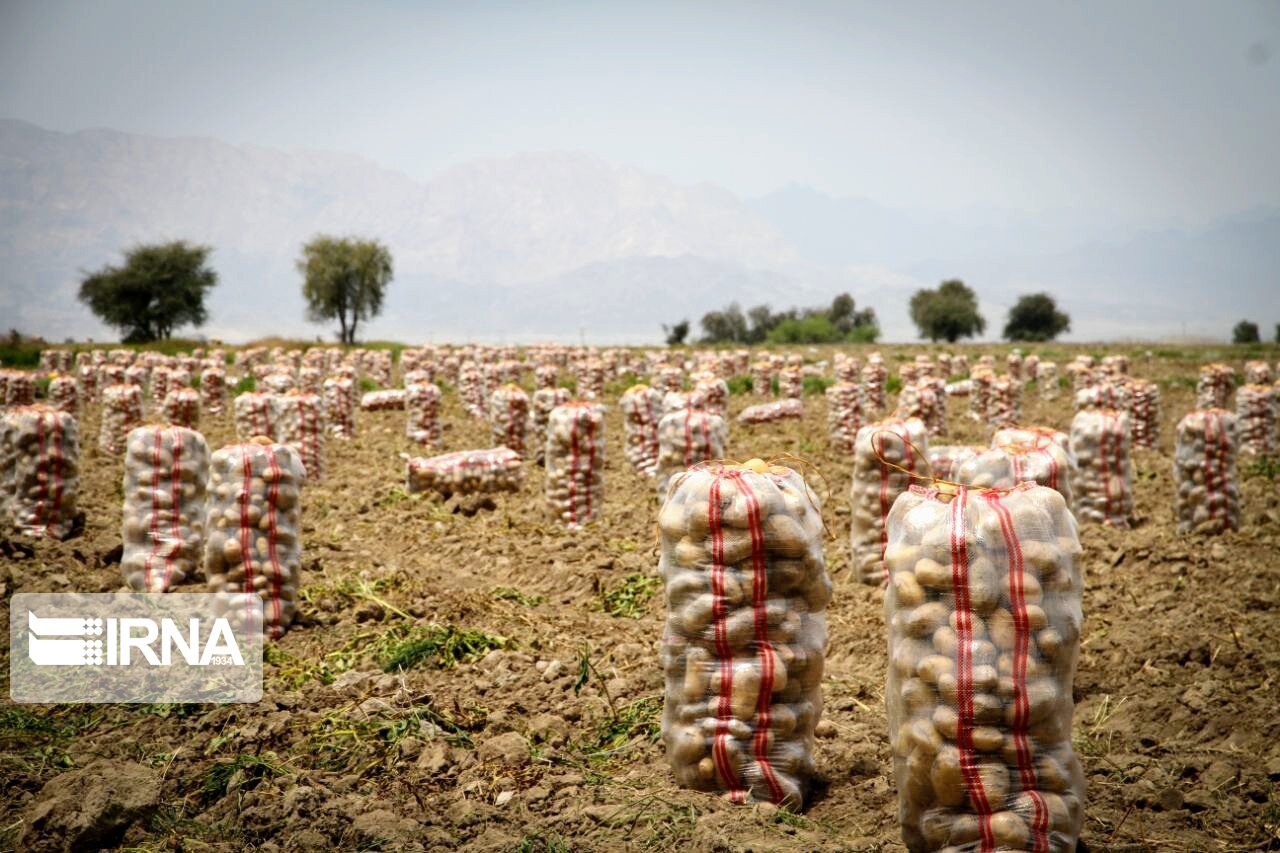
(839,322)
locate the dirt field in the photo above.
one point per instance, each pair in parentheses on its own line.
(549,743)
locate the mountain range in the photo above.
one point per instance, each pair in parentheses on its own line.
(566,246)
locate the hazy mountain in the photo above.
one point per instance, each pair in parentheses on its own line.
(565,245)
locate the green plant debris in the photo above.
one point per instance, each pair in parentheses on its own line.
(241,772)
(442,646)
(510,593)
(614,737)
(630,597)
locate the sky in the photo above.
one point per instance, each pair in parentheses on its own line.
(1156,112)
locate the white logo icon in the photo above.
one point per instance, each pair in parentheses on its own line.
(48,644)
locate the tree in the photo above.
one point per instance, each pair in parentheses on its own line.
(1035,317)
(813,329)
(949,313)
(724,327)
(344,279)
(1245,333)
(158,288)
(676,334)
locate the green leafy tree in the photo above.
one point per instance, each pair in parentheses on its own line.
(813,329)
(1245,332)
(157,289)
(724,327)
(676,334)
(948,313)
(1035,317)
(344,279)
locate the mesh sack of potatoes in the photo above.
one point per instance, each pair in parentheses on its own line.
(166,472)
(744,646)
(1213,388)
(385,400)
(1047,380)
(1043,463)
(674,401)
(874,378)
(847,368)
(542,403)
(121,412)
(1115,365)
(574,486)
(89,382)
(1030,368)
(255,414)
(590,377)
(1103,481)
(159,386)
(908,373)
(778,410)
(710,393)
(138,374)
(276,380)
(844,415)
(922,399)
(1005,404)
(1013,363)
(545,376)
(1104,395)
(213,390)
(64,394)
(641,411)
(182,407)
(21,388)
(881,452)
(1207,496)
(43,458)
(300,424)
(1144,413)
(1258,373)
(7,451)
(466,472)
(943,458)
(686,438)
(339,409)
(984,613)
(509,417)
(762,379)
(1256,412)
(253,543)
(981,380)
(669,378)
(422,406)
(791,383)
(1033,436)
(471,389)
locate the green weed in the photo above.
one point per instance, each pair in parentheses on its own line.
(241,772)
(442,646)
(510,593)
(630,597)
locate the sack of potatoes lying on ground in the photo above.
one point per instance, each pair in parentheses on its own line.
(686,438)
(1144,413)
(166,472)
(1206,497)
(466,472)
(121,412)
(880,452)
(575,463)
(540,407)
(745,639)
(641,411)
(255,414)
(390,399)
(763,413)
(1103,484)
(1256,413)
(339,410)
(1043,463)
(300,424)
(182,407)
(983,613)
(253,539)
(844,415)
(509,417)
(64,394)
(422,407)
(41,462)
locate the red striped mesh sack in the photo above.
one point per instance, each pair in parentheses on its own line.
(253,544)
(42,476)
(763,413)
(159,386)
(590,377)
(545,376)
(509,417)
(844,415)
(762,379)
(847,368)
(984,615)
(471,389)
(670,379)
(166,472)
(1005,404)
(466,472)
(20,389)
(674,401)
(1115,365)
(575,463)
(1207,496)
(256,413)
(385,400)
(213,390)
(922,399)
(1144,413)
(544,400)
(710,393)
(641,411)
(1256,412)
(300,424)
(275,380)
(1103,481)
(943,458)
(744,646)
(138,374)
(1043,463)
(1258,373)
(981,380)
(1013,365)
(88,375)
(1213,389)
(874,377)
(1047,380)
(1030,368)
(791,383)
(182,407)
(686,438)
(339,409)
(121,412)
(959,365)
(64,394)
(1104,395)
(422,405)
(880,452)
(908,373)
(946,365)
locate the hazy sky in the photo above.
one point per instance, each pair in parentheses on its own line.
(1159,111)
